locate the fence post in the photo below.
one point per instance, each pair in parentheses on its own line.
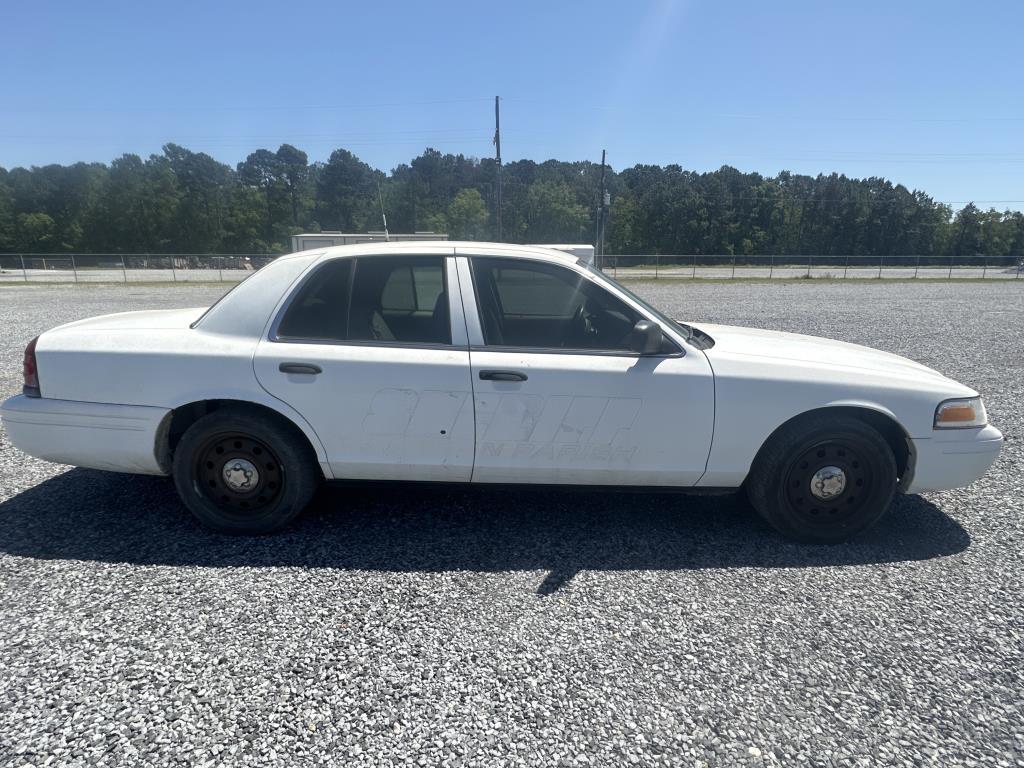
(881,261)
(657,263)
(771,266)
(810,259)
(220,268)
(950,275)
(917,265)
(174,274)
(124,269)
(693,273)
(73,267)
(24,272)
(734,266)
(984,269)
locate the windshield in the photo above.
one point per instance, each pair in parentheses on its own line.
(682,328)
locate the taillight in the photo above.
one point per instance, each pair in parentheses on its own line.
(31,371)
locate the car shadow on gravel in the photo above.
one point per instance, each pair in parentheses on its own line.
(100,516)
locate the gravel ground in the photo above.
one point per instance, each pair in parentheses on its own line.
(474,627)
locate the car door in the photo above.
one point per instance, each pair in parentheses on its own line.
(372,351)
(559,397)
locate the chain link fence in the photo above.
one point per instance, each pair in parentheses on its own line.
(778,267)
(129,267)
(206,267)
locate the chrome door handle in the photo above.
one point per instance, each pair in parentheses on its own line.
(307,368)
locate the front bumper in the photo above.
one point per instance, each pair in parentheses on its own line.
(121,438)
(953,458)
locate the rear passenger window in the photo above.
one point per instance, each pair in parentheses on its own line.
(320,310)
(383,299)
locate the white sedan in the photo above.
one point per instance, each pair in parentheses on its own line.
(486,363)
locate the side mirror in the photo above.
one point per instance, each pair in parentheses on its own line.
(647,338)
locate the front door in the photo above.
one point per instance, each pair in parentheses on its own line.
(372,352)
(559,395)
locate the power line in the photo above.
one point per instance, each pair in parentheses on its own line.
(650,106)
(419,132)
(247,108)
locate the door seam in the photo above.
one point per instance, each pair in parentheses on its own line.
(469,372)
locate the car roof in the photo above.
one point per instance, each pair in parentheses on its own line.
(443,247)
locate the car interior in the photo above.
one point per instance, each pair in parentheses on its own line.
(375,299)
(533,304)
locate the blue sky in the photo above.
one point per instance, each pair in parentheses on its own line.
(929,94)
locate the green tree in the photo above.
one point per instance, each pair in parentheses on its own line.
(346,193)
(137,208)
(467,215)
(262,171)
(181,200)
(967,227)
(553,215)
(6,213)
(35,232)
(293,167)
(204,188)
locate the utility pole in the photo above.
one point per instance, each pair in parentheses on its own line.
(497,150)
(602,216)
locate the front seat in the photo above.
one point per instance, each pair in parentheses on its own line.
(379,328)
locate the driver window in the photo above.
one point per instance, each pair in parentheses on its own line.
(534,304)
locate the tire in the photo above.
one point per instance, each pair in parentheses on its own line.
(244,472)
(823,479)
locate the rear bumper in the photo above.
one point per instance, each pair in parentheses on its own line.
(953,458)
(121,438)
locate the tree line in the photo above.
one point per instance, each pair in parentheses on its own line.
(181,201)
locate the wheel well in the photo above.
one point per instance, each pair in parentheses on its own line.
(886,426)
(177,422)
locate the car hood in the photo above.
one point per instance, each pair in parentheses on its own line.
(798,348)
(150,319)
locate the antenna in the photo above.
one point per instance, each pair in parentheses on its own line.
(384,216)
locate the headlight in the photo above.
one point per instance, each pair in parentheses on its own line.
(960,414)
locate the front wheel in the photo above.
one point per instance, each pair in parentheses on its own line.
(244,472)
(823,479)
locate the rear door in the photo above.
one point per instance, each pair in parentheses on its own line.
(560,398)
(372,351)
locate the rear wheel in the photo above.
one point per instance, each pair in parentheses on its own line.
(244,472)
(823,479)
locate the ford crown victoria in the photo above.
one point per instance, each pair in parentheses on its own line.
(486,363)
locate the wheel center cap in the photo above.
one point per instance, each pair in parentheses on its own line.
(828,482)
(240,475)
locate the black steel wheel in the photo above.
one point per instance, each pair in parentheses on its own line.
(239,473)
(823,479)
(244,472)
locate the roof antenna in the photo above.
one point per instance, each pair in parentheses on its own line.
(384,216)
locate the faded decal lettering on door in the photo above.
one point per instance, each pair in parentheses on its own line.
(564,427)
(406,412)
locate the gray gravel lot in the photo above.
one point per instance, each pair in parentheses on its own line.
(474,627)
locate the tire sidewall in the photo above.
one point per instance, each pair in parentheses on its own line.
(296,480)
(775,506)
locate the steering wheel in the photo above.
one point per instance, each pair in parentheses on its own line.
(580,323)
